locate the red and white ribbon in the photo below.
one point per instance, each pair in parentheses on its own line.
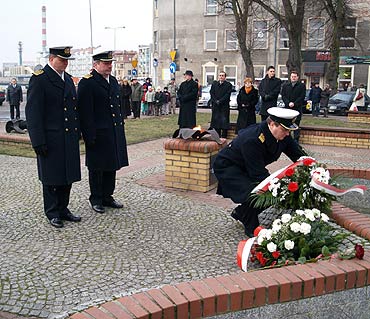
(329,189)
(243,252)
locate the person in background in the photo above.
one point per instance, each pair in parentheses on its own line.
(136,95)
(150,99)
(324,100)
(220,101)
(269,90)
(103,130)
(166,101)
(242,165)
(247,99)
(14,96)
(147,84)
(293,94)
(315,96)
(54,129)
(144,103)
(188,95)
(172,89)
(158,101)
(125,98)
(359,98)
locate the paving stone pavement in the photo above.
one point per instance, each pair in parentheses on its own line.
(161,236)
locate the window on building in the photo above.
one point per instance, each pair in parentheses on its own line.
(228,7)
(231,40)
(155,41)
(259,72)
(209,74)
(283,39)
(347,38)
(283,72)
(211,6)
(231,72)
(156,8)
(315,33)
(345,77)
(210,40)
(260,34)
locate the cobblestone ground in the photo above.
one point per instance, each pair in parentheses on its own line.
(161,236)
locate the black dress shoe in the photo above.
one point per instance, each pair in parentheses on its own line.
(234,214)
(56,222)
(113,204)
(98,208)
(71,218)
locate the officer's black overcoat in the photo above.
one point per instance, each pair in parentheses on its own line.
(187,94)
(220,111)
(52,119)
(102,125)
(242,165)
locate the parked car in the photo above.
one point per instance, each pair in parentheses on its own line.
(205,99)
(341,102)
(2,97)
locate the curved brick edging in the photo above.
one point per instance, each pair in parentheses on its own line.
(230,293)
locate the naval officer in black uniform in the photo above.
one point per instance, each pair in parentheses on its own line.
(53,126)
(241,166)
(103,131)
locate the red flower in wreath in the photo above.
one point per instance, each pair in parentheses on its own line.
(276,254)
(293,187)
(289,172)
(359,251)
(308,161)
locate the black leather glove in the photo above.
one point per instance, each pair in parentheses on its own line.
(41,150)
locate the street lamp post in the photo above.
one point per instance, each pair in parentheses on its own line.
(114,33)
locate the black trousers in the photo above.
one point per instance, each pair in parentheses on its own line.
(248,215)
(56,200)
(135,105)
(102,185)
(17,112)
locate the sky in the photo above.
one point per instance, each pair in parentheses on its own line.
(68,23)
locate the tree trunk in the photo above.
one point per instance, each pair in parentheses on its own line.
(247,59)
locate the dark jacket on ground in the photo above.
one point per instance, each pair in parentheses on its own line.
(52,120)
(269,90)
(246,107)
(14,95)
(125,100)
(315,95)
(220,102)
(295,94)
(242,165)
(102,125)
(188,94)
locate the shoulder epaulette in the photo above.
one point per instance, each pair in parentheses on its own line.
(38,72)
(87,76)
(262,138)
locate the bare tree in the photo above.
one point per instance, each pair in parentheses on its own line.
(242,11)
(292,20)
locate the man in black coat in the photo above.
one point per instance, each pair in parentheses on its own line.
(53,126)
(220,100)
(103,131)
(269,90)
(14,96)
(188,94)
(242,165)
(293,94)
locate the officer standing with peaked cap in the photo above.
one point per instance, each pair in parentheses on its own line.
(241,166)
(103,131)
(54,129)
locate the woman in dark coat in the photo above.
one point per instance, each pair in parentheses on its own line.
(247,100)
(125,98)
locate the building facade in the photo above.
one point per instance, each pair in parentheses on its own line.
(203,34)
(123,65)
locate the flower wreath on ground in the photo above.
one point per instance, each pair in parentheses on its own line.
(301,232)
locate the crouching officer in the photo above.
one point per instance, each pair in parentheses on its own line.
(103,131)
(241,166)
(53,126)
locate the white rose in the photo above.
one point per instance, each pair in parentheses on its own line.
(271,247)
(324,217)
(260,240)
(289,244)
(276,228)
(305,228)
(268,234)
(295,227)
(316,212)
(310,215)
(262,233)
(299,212)
(277,221)
(285,218)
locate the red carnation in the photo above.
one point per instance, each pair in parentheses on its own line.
(359,251)
(293,187)
(276,254)
(289,172)
(308,161)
